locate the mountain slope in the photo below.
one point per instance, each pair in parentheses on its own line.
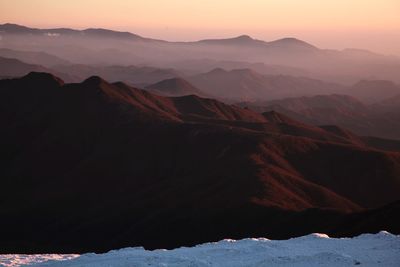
(10,67)
(246,84)
(136,75)
(380,119)
(373,91)
(174,87)
(10,28)
(31,57)
(318,110)
(79,159)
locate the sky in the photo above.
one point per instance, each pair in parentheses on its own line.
(336,24)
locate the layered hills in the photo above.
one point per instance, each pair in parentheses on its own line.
(249,85)
(96,165)
(379,119)
(95,46)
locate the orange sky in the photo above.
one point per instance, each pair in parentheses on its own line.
(370,24)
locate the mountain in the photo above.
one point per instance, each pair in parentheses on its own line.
(39,58)
(104,47)
(94,157)
(293,43)
(239,40)
(197,66)
(380,119)
(10,67)
(10,28)
(389,105)
(318,109)
(245,40)
(136,75)
(372,91)
(174,87)
(371,221)
(248,85)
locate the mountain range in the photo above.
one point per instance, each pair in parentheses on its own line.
(247,84)
(378,119)
(103,46)
(111,139)
(95,165)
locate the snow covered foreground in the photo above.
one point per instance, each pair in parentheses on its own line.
(382,249)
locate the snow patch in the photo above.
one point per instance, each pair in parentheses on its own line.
(319,235)
(12,260)
(382,249)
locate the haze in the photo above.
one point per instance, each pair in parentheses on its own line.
(170,124)
(372,24)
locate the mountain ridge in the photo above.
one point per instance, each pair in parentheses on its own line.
(10,28)
(131,164)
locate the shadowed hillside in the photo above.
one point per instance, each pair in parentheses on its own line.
(92,166)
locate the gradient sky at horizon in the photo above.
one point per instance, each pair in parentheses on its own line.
(338,24)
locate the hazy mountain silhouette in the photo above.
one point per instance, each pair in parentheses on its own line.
(174,87)
(198,66)
(10,67)
(247,84)
(372,91)
(103,46)
(10,28)
(37,58)
(94,157)
(239,40)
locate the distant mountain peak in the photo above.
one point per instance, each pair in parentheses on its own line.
(175,80)
(291,41)
(243,37)
(241,40)
(19,29)
(238,40)
(43,78)
(16,28)
(217,71)
(94,80)
(174,87)
(111,33)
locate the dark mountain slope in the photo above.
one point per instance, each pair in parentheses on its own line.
(94,166)
(130,74)
(317,110)
(386,218)
(380,119)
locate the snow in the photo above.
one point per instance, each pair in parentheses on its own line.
(27,260)
(382,249)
